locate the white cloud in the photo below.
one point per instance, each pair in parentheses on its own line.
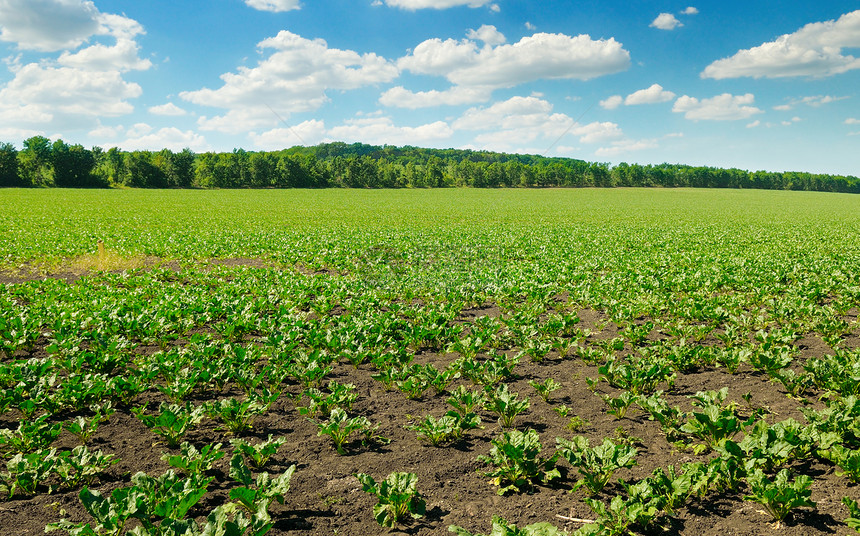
(530,26)
(295,77)
(626,146)
(814,50)
(814,101)
(540,56)
(665,21)
(597,132)
(754,124)
(518,121)
(852,121)
(274,6)
(47,25)
(382,130)
(168,109)
(103,132)
(488,34)
(652,95)
(306,133)
(75,89)
(611,103)
(121,56)
(399,97)
(166,138)
(40,96)
(690,11)
(725,107)
(412,5)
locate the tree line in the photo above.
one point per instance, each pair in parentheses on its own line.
(43,163)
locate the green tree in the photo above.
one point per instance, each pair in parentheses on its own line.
(9,175)
(35,161)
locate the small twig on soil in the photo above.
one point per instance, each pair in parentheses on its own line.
(574,519)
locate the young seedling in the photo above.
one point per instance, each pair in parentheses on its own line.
(545,388)
(339,427)
(596,465)
(397,497)
(260,454)
(779,496)
(172,420)
(516,459)
(506,405)
(192,461)
(502,527)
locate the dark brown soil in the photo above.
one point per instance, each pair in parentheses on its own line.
(325,497)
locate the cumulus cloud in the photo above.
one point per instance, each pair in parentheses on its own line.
(665,21)
(412,5)
(690,11)
(294,77)
(47,25)
(611,103)
(725,107)
(310,132)
(652,95)
(274,6)
(76,88)
(488,34)
(42,96)
(145,139)
(399,97)
(754,124)
(168,109)
(523,121)
(852,121)
(816,50)
(121,56)
(540,56)
(382,130)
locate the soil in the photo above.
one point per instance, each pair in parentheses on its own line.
(325,497)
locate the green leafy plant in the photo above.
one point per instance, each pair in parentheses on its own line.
(81,465)
(853,520)
(450,426)
(516,461)
(616,518)
(237,414)
(397,496)
(339,427)
(192,461)
(172,420)
(320,403)
(596,465)
(545,388)
(110,513)
(780,495)
(502,527)
(258,455)
(29,436)
(506,405)
(256,494)
(25,472)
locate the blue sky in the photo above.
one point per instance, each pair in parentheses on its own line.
(755,85)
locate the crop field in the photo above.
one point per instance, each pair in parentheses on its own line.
(427,362)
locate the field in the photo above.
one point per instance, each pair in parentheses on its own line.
(652,361)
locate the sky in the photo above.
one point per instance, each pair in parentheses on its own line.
(757,85)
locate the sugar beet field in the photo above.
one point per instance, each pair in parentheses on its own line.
(469,362)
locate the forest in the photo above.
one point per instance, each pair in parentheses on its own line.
(43,163)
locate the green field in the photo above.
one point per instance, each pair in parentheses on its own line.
(635,301)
